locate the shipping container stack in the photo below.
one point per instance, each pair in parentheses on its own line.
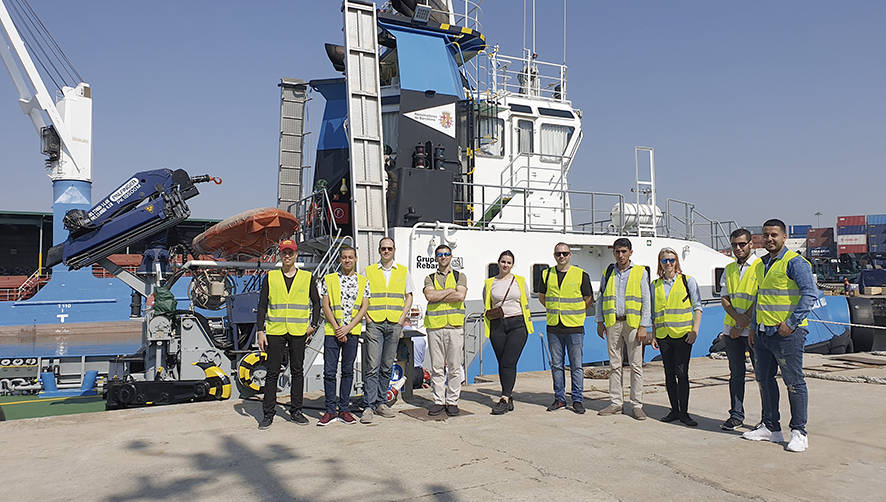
(820,243)
(851,235)
(796,240)
(876,230)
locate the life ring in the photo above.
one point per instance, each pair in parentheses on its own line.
(219,383)
(246,370)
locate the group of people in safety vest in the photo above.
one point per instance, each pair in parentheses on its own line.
(766,301)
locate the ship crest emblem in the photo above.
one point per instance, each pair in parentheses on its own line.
(446,120)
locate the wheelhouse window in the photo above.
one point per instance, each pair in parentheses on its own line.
(525,136)
(492,131)
(554,140)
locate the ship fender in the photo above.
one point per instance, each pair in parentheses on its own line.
(870,312)
(246,370)
(219,382)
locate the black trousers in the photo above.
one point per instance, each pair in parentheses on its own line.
(508,336)
(675,356)
(277,344)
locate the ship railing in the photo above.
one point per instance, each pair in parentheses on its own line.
(473,346)
(683,221)
(467,18)
(549,173)
(522,76)
(316,221)
(544,209)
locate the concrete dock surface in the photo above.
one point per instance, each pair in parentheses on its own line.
(213,451)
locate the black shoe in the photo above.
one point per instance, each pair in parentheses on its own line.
(578,407)
(687,420)
(731,424)
(436,410)
(452,410)
(500,408)
(265,422)
(670,417)
(511,404)
(298,417)
(556,405)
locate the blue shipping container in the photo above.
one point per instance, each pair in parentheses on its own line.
(876,219)
(877,248)
(851,230)
(799,230)
(877,229)
(876,239)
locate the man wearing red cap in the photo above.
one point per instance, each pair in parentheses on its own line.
(288,314)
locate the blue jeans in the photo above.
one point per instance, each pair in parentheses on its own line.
(332,348)
(774,351)
(559,345)
(735,352)
(380,343)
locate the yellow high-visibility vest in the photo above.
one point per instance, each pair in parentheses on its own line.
(333,291)
(633,298)
(288,311)
(439,314)
(777,294)
(524,302)
(564,302)
(672,315)
(741,289)
(386,300)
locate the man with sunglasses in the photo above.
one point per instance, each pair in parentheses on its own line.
(623,317)
(785,295)
(288,314)
(566,294)
(738,292)
(390,287)
(445,291)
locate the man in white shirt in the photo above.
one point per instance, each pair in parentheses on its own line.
(391,288)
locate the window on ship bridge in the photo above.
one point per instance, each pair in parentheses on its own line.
(554,139)
(525,137)
(492,131)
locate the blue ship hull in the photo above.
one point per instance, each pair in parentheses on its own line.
(535,354)
(79,297)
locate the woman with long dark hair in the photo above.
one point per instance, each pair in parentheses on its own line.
(676,317)
(508,325)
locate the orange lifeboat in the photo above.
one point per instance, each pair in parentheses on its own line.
(250,233)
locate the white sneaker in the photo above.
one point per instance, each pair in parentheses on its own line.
(761,433)
(799,441)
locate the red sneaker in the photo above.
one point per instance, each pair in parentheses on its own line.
(326,419)
(346,417)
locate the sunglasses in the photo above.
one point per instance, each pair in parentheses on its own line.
(668,260)
(562,253)
(739,244)
(386,249)
(443,254)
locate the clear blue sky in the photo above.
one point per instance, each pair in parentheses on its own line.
(755,109)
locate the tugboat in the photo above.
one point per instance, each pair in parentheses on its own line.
(430,136)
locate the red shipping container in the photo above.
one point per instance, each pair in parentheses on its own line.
(816,242)
(856,248)
(850,220)
(821,232)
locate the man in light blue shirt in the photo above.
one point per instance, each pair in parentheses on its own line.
(779,345)
(622,334)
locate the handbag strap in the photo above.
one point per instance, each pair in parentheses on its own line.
(505,297)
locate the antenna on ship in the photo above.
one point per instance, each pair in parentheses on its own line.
(564,31)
